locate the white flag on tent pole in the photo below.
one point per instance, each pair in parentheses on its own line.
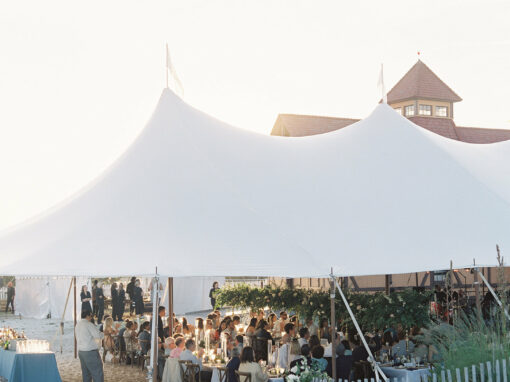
(380,85)
(177,84)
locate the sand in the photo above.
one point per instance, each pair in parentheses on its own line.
(68,367)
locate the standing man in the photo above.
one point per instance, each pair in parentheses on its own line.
(11,292)
(129,290)
(99,302)
(212,293)
(89,338)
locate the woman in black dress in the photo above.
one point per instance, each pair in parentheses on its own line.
(121,301)
(85,299)
(115,302)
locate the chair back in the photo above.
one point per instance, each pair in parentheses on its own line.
(192,371)
(222,371)
(184,370)
(173,371)
(243,376)
(363,370)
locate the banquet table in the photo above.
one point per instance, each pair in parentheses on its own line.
(216,376)
(17,367)
(405,374)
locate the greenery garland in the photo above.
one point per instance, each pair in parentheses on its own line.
(373,310)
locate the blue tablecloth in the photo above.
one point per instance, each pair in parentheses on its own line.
(28,367)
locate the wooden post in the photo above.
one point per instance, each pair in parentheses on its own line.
(477,290)
(387,284)
(171,304)
(75,344)
(416,275)
(333,328)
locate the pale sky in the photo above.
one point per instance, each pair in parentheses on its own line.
(78,80)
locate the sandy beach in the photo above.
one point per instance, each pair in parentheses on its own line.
(63,346)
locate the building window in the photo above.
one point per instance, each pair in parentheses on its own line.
(398,110)
(409,110)
(425,110)
(441,111)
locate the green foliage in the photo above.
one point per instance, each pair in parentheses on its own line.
(379,311)
(470,341)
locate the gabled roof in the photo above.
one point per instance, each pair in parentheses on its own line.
(293,125)
(421,82)
(478,135)
(441,126)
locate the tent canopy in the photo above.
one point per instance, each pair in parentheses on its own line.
(197,197)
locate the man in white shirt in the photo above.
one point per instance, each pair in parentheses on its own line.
(312,328)
(88,338)
(187,355)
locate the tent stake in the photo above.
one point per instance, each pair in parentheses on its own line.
(375,366)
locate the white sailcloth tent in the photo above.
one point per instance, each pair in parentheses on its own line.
(197,197)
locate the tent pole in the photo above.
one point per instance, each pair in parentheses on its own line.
(492,291)
(75,344)
(152,375)
(171,305)
(477,290)
(333,327)
(376,367)
(64,314)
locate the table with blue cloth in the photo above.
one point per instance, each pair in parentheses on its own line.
(27,367)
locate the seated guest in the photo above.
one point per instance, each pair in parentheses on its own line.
(239,343)
(294,352)
(360,353)
(387,342)
(169,345)
(179,347)
(347,347)
(343,362)
(304,336)
(250,331)
(233,364)
(318,358)
(324,330)
(289,332)
(231,329)
(187,355)
(262,337)
(248,365)
(305,355)
(144,338)
(399,349)
(130,337)
(313,341)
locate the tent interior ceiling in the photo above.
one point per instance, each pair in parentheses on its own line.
(197,197)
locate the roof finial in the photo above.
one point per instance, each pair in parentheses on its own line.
(418,53)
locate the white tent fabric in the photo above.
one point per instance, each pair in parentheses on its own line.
(40,296)
(191,294)
(197,197)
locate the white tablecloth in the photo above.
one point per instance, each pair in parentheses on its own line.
(216,376)
(404,374)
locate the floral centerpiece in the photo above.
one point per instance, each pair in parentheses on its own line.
(303,372)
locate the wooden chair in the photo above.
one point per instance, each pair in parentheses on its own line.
(193,372)
(242,376)
(222,371)
(183,369)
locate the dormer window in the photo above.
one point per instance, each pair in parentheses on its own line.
(441,111)
(409,110)
(425,110)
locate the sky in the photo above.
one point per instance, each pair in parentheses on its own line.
(78,80)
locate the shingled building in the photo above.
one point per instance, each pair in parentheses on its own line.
(420,96)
